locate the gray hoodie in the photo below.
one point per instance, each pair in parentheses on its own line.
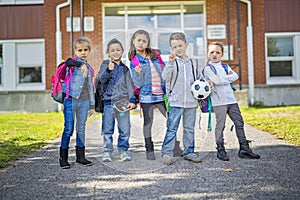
(179,81)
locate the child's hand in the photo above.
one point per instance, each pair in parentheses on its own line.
(211,85)
(131,106)
(230,72)
(172,56)
(111,66)
(84,70)
(138,69)
(91,112)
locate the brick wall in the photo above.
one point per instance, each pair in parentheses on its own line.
(215,14)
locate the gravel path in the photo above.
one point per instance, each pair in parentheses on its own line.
(275,176)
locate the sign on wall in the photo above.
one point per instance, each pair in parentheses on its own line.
(216,31)
(76,24)
(225,55)
(88,24)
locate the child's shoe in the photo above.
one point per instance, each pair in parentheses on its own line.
(192,157)
(80,156)
(246,152)
(106,157)
(168,159)
(124,156)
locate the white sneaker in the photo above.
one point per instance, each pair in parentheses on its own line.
(168,160)
(106,157)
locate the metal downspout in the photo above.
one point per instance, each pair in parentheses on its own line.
(58,39)
(250,52)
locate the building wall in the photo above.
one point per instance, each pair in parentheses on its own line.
(21,22)
(282,16)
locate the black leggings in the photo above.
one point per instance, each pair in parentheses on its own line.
(148,115)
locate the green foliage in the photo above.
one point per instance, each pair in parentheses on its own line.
(20,134)
(283,122)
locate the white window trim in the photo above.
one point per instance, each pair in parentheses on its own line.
(11,2)
(163,3)
(12,84)
(295,79)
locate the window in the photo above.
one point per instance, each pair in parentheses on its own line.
(160,21)
(23,68)
(29,63)
(281,58)
(21,2)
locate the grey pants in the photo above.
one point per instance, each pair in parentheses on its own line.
(234,113)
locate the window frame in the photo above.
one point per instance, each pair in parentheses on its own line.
(156,30)
(11,67)
(295,77)
(17,2)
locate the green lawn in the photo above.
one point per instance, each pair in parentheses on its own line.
(283,122)
(21,134)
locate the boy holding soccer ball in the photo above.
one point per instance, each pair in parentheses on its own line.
(179,74)
(224,102)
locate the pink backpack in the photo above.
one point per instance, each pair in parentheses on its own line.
(58,79)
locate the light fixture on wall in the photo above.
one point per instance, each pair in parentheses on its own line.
(154,11)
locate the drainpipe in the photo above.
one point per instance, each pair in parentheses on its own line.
(58,39)
(250,52)
(58,32)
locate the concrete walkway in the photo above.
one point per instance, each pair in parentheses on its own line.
(275,176)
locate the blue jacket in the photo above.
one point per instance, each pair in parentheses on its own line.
(78,81)
(119,80)
(143,80)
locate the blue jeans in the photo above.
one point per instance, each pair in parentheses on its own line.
(79,108)
(108,125)
(189,119)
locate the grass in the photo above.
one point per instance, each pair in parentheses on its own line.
(282,122)
(21,134)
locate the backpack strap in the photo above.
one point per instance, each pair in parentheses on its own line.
(195,70)
(173,80)
(135,61)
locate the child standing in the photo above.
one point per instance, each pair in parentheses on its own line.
(147,77)
(224,102)
(180,74)
(80,102)
(115,74)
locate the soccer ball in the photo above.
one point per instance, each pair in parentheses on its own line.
(200,89)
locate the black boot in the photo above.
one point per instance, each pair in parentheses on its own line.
(150,155)
(80,156)
(63,158)
(177,151)
(222,155)
(246,152)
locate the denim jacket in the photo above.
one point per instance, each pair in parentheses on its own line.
(77,83)
(143,80)
(119,80)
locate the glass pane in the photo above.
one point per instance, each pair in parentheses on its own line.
(30,75)
(168,21)
(280,46)
(140,22)
(163,43)
(281,68)
(196,43)
(114,19)
(193,16)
